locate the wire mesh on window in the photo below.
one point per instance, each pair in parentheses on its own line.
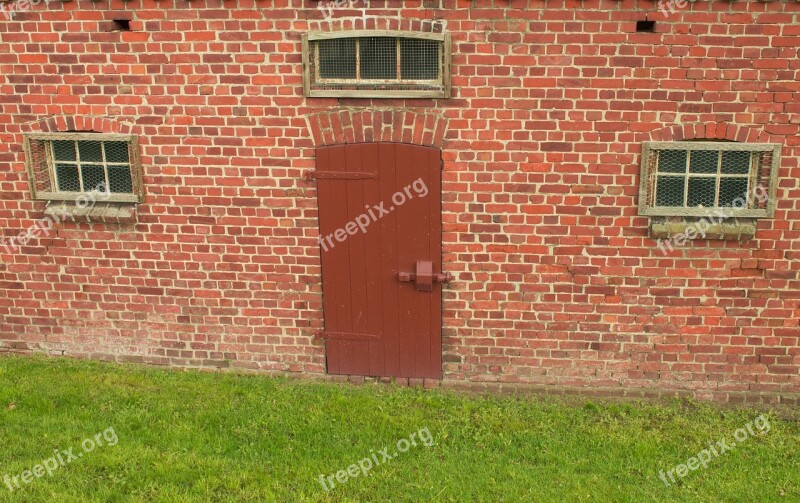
(375,63)
(689,178)
(117,155)
(760,182)
(419,59)
(337,58)
(702,192)
(378,58)
(39,167)
(733,192)
(87,165)
(736,162)
(67,177)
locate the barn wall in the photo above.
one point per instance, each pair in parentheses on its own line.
(556,281)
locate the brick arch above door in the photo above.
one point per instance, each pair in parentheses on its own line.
(337,127)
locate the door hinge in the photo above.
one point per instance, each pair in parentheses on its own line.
(346,336)
(313,174)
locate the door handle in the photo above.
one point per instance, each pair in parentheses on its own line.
(423,276)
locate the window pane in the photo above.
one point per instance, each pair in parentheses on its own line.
(732,188)
(93,176)
(703,161)
(670,191)
(89,151)
(378,58)
(736,162)
(672,161)
(64,150)
(419,59)
(116,151)
(702,192)
(337,58)
(67,177)
(119,177)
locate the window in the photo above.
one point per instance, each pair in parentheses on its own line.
(65,166)
(382,64)
(702,178)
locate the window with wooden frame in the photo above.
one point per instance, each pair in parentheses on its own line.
(700,178)
(376,64)
(66,166)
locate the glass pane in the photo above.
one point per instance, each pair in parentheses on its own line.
(67,178)
(672,161)
(337,58)
(736,162)
(93,176)
(419,59)
(732,188)
(670,191)
(702,192)
(119,177)
(89,151)
(703,161)
(116,151)
(64,150)
(378,58)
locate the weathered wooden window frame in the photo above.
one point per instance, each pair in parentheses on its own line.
(650,149)
(56,195)
(443,82)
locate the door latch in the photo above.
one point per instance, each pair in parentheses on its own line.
(423,277)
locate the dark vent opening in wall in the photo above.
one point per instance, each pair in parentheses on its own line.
(645,26)
(122,25)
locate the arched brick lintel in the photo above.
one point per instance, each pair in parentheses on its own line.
(710,131)
(377,23)
(64,123)
(375,125)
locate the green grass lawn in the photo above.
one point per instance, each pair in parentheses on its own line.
(188,436)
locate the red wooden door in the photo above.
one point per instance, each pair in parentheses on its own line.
(380,216)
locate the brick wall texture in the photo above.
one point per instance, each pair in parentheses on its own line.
(556,280)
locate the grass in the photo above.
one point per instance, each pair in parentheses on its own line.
(188,436)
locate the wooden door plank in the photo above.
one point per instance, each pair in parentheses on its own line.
(389,261)
(420,208)
(436,320)
(377,277)
(340,256)
(356,244)
(326,226)
(408,240)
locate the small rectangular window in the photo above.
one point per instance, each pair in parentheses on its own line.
(699,178)
(381,64)
(64,166)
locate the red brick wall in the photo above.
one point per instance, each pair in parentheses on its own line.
(556,279)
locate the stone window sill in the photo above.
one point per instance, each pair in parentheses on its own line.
(106,212)
(691,228)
